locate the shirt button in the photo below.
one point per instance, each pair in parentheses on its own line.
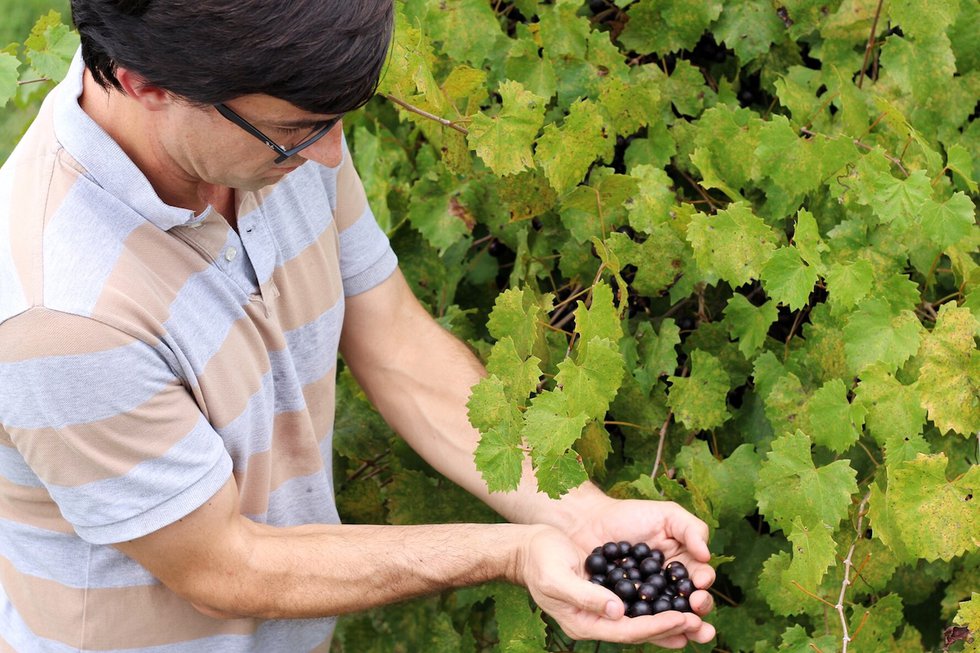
(230,254)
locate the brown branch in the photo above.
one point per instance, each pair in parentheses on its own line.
(871,42)
(426,114)
(39,80)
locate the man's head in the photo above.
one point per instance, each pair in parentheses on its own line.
(323,56)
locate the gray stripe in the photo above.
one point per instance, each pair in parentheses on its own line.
(366,258)
(15,469)
(150,496)
(58,391)
(81,247)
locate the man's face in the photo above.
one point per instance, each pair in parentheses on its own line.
(209,147)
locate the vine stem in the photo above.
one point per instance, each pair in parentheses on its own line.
(425,114)
(848,563)
(871,42)
(39,80)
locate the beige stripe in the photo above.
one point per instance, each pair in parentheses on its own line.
(31,506)
(320,399)
(83,453)
(351,198)
(234,373)
(310,288)
(126,617)
(5,647)
(42,332)
(147,277)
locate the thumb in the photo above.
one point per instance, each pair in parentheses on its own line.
(600,601)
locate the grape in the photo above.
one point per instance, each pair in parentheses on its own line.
(637,575)
(596,564)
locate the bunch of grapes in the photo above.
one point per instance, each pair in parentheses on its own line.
(637,574)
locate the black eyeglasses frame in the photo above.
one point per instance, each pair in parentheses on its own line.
(284,153)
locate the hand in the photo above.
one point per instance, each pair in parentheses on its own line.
(551,567)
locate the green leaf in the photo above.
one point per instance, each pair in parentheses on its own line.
(558,474)
(814,551)
(749,28)
(549,427)
(699,400)
(500,458)
(565,153)
(938,518)
(592,211)
(519,376)
(590,382)
(662,26)
(733,245)
(894,410)
(8,77)
(518,314)
(749,324)
(960,162)
(658,352)
(949,380)
(727,485)
(807,240)
(51,46)
(874,334)
(467,29)
(949,222)
(600,319)
(849,283)
(791,486)
(504,141)
(834,422)
(788,279)
(520,628)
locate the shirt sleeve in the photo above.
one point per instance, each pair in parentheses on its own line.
(366,256)
(108,427)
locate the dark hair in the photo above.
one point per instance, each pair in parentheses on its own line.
(323,56)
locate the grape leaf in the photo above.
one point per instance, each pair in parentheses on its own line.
(791,486)
(875,335)
(749,324)
(504,141)
(734,244)
(893,410)
(937,518)
(600,319)
(519,376)
(8,77)
(517,313)
(814,552)
(949,380)
(592,211)
(808,242)
(565,153)
(849,283)
(51,46)
(549,426)
(834,422)
(949,222)
(727,486)
(466,28)
(788,279)
(699,400)
(590,382)
(657,352)
(520,628)
(749,28)
(665,25)
(557,474)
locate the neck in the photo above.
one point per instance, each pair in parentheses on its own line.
(134,130)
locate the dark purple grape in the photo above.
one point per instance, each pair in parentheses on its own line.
(680,604)
(648,592)
(598,579)
(658,581)
(611,551)
(685,587)
(615,576)
(676,571)
(634,574)
(649,567)
(627,563)
(624,549)
(670,591)
(640,551)
(596,550)
(641,608)
(626,590)
(657,555)
(595,564)
(661,605)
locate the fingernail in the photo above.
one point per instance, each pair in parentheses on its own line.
(612,610)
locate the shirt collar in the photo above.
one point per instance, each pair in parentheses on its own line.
(103,159)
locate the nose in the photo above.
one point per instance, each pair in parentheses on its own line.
(327,151)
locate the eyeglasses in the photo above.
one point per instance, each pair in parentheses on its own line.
(284,153)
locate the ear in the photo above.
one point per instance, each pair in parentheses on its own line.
(153,98)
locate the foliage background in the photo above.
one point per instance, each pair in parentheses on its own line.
(723,253)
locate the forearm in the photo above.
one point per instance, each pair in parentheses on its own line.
(422,392)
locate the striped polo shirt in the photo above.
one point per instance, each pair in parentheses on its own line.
(146,354)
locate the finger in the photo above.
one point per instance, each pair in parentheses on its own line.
(701,602)
(690,531)
(596,600)
(641,629)
(704,634)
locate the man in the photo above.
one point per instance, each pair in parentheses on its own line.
(185,248)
